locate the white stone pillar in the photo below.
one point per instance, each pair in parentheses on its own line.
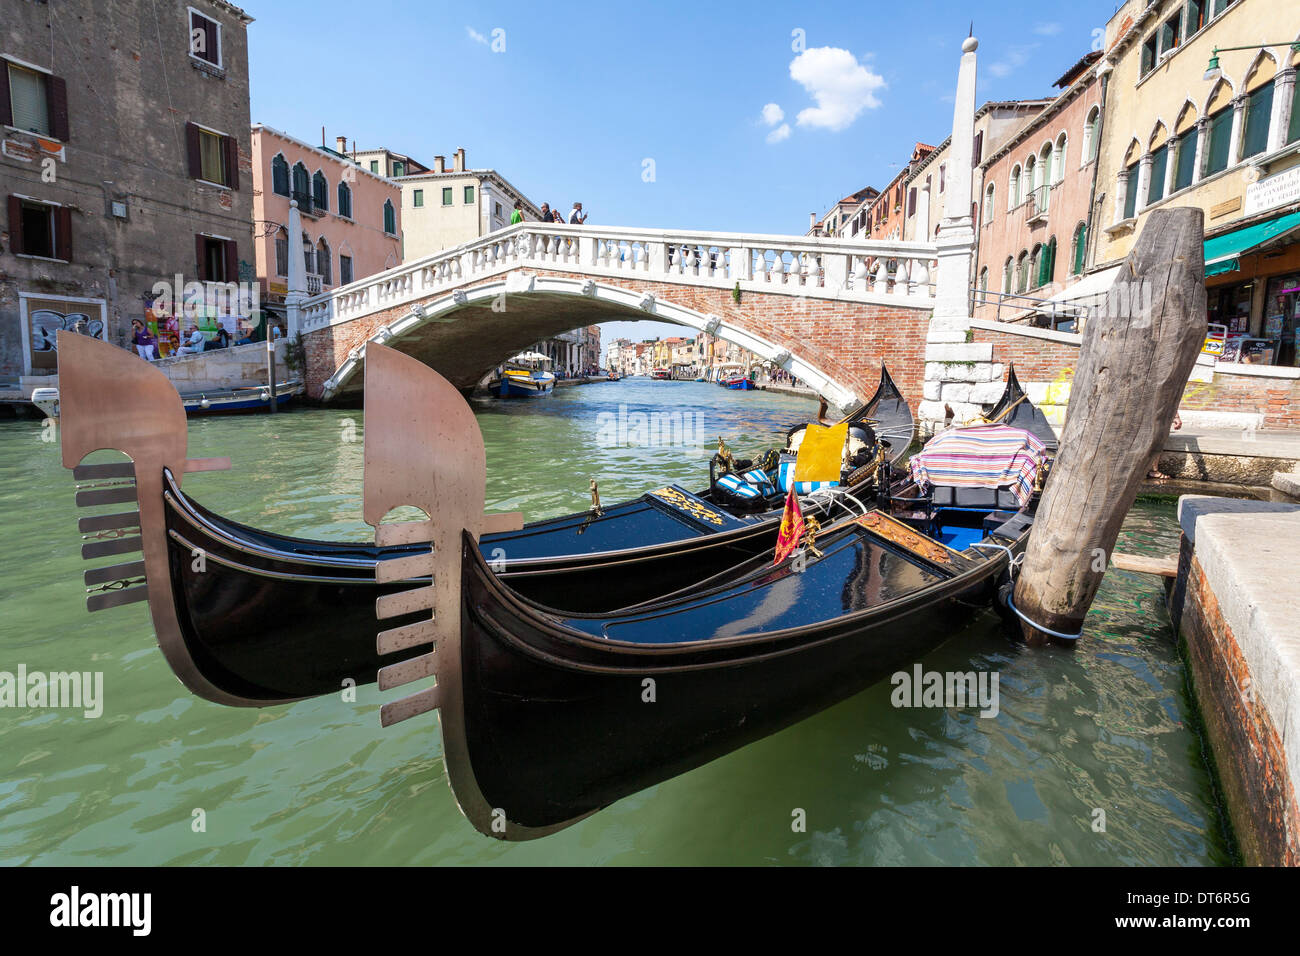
(1175,146)
(485,196)
(297,284)
(1283,103)
(1202,149)
(956,232)
(1238,129)
(1121,195)
(1144,182)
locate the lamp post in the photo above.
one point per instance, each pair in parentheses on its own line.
(1212,71)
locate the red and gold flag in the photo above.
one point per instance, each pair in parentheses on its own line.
(792,527)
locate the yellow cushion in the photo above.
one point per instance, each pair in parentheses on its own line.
(820,452)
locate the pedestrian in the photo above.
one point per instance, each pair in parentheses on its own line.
(146,346)
(276,332)
(517,216)
(193,342)
(546,213)
(576,216)
(557,216)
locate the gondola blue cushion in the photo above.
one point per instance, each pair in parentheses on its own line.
(785,478)
(760,480)
(738,486)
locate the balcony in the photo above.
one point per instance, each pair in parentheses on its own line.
(1036,212)
(305,204)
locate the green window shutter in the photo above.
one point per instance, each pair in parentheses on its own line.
(1259,109)
(374,165)
(1185,166)
(446,196)
(1220,133)
(1159,163)
(469,195)
(1293,132)
(417,198)
(1080,248)
(1130,200)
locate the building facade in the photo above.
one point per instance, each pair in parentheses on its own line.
(1221,134)
(1033,218)
(382,162)
(351,218)
(125,164)
(443,207)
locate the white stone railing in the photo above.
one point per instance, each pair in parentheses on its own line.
(890,273)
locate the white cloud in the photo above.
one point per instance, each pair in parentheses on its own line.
(780,133)
(772,114)
(476,36)
(1017,56)
(1047,29)
(841,85)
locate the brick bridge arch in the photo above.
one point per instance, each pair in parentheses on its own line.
(829,311)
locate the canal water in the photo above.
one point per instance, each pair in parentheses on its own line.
(1092,758)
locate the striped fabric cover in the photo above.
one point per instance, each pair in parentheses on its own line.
(738,486)
(981,456)
(785,478)
(761,480)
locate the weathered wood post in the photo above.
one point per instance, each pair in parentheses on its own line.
(1134,363)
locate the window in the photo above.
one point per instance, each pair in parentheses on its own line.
(1195,16)
(345,269)
(1259,107)
(988,204)
(984,279)
(280,175)
(911,201)
(323,266)
(1131,194)
(374,166)
(469,195)
(35,102)
(446,196)
(1047,263)
(1221,5)
(205,38)
(390,218)
(399,168)
(1022,272)
(1156,184)
(218,259)
(345,200)
(1035,269)
(1171,33)
(40,229)
(498,210)
(320,195)
(1008,271)
(282,252)
(417,198)
(1220,135)
(1149,55)
(1013,192)
(1058,159)
(213,157)
(1293,131)
(942,170)
(1185,160)
(1079,250)
(1090,135)
(301,185)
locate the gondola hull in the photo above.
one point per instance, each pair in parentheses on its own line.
(630,716)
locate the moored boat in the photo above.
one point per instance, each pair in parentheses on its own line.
(523,376)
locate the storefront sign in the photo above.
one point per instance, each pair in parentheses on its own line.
(1274,191)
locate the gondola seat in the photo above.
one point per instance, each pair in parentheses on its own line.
(785,480)
(748,490)
(982,499)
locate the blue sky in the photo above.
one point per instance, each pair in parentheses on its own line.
(753,115)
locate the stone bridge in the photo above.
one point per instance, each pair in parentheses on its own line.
(828,310)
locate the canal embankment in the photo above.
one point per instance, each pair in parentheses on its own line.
(1236,606)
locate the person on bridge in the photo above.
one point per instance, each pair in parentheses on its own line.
(517,216)
(546,215)
(576,216)
(193,342)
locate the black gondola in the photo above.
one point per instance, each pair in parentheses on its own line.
(254,618)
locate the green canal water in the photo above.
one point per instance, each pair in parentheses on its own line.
(1107,727)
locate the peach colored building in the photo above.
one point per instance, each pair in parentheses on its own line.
(884,215)
(1033,223)
(351,217)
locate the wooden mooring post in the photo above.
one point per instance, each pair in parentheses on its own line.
(1135,360)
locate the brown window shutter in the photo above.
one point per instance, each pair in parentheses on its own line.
(210,28)
(978,151)
(232,161)
(192,146)
(63,234)
(15,224)
(201,268)
(232,261)
(6,105)
(56,94)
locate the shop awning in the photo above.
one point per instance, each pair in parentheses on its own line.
(1094,285)
(1221,252)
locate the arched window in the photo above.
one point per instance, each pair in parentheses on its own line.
(1259,106)
(988,204)
(282,247)
(1058,158)
(1022,272)
(1090,135)
(1008,271)
(1079,249)
(301,184)
(1047,263)
(280,175)
(1013,190)
(320,192)
(345,200)
(324,264)
(1219,134)
(984,279)
(390,218)
(1033,270)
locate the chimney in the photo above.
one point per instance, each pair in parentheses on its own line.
(341,144)
(440,164)
(460,160)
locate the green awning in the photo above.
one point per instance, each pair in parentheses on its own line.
(1221,252)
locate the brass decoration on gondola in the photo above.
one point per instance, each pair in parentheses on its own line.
(694,508)
(905,537)
(811,528)
(725,457)
(596,510)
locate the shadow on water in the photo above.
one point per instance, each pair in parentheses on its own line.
(1105,728)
